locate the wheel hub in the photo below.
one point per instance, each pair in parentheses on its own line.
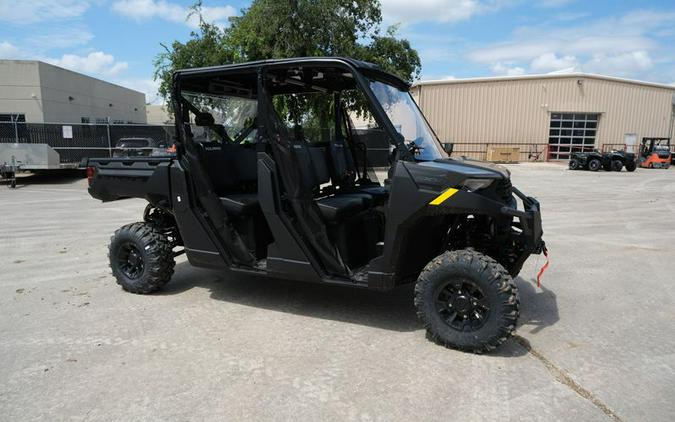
(130,261)
(462,305)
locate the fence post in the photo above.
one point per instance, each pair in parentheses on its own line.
(16,129)
(109,143)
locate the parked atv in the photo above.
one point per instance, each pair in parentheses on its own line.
(286,192)
(608,161)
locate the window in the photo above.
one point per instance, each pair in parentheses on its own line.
(571,133)
(85,120)
(12,117)
(222,118)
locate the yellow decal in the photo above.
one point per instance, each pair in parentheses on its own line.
(442,197)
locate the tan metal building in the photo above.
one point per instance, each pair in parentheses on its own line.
(546,116)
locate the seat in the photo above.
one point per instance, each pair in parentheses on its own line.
(340,207)
(314,168)
(241,203)
(377,192)
(344,174)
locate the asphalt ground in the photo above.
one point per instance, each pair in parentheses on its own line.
(596,342)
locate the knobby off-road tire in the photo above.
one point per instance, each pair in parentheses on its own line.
(617,165)
(574,164)
(607,166)
(467,301)
(594,165)
(141,258)
(631,166)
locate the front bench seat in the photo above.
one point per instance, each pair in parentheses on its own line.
(340,207)
(241,203)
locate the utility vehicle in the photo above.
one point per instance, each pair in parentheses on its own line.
(285,192)
(608,161)
(138,146)
(655,153)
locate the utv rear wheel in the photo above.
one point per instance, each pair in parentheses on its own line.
(141,258)
(467,301)
(631,166)
(607,166)
(617,165)
(594,165)
(574,164)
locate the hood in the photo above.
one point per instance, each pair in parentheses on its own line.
(471,168)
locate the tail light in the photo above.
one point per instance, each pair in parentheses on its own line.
(90,174)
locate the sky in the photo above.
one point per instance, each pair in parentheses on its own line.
(117,40)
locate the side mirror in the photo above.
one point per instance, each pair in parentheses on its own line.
(448,147)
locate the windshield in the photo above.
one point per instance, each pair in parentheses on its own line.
(408,121)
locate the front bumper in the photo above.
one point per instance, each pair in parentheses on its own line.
(529,222)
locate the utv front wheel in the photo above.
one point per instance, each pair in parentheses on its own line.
(467,301)
(631,166)
(141,258)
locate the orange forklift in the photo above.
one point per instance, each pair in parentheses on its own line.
(655,153)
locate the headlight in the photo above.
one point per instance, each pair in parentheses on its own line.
(476,184)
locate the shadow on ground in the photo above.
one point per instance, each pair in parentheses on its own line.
(393,310)
(538,307)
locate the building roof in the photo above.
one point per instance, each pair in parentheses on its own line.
(544,76)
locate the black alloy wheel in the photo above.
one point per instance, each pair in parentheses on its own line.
(462,305)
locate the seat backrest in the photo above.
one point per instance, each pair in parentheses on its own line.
(319,158)
(344,169)
(230,167)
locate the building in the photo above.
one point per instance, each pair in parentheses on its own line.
(557,113)
(37,92)
(158,115)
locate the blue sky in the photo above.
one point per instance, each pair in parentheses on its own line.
(116,40)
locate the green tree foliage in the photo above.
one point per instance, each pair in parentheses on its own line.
(271,29)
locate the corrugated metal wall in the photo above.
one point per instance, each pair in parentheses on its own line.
(518,110)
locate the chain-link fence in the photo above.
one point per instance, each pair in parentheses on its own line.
(74,142)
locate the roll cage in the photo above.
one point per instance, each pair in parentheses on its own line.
(254,75)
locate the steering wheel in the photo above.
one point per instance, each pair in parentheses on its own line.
(414,146)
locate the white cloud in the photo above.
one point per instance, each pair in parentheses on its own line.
(141,10)
(407,12)
(553,3)
(96,63)
(622,46)
(33,11)
(9,51)
(503,69)
(549,62)
(63,37)
(625,64)
(147,86)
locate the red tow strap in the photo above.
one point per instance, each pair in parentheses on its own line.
(543,268)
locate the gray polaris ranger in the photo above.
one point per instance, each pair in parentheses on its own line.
(271,177)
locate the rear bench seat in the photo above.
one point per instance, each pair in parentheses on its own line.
(230,168)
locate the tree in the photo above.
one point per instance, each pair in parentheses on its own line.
(271,29)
